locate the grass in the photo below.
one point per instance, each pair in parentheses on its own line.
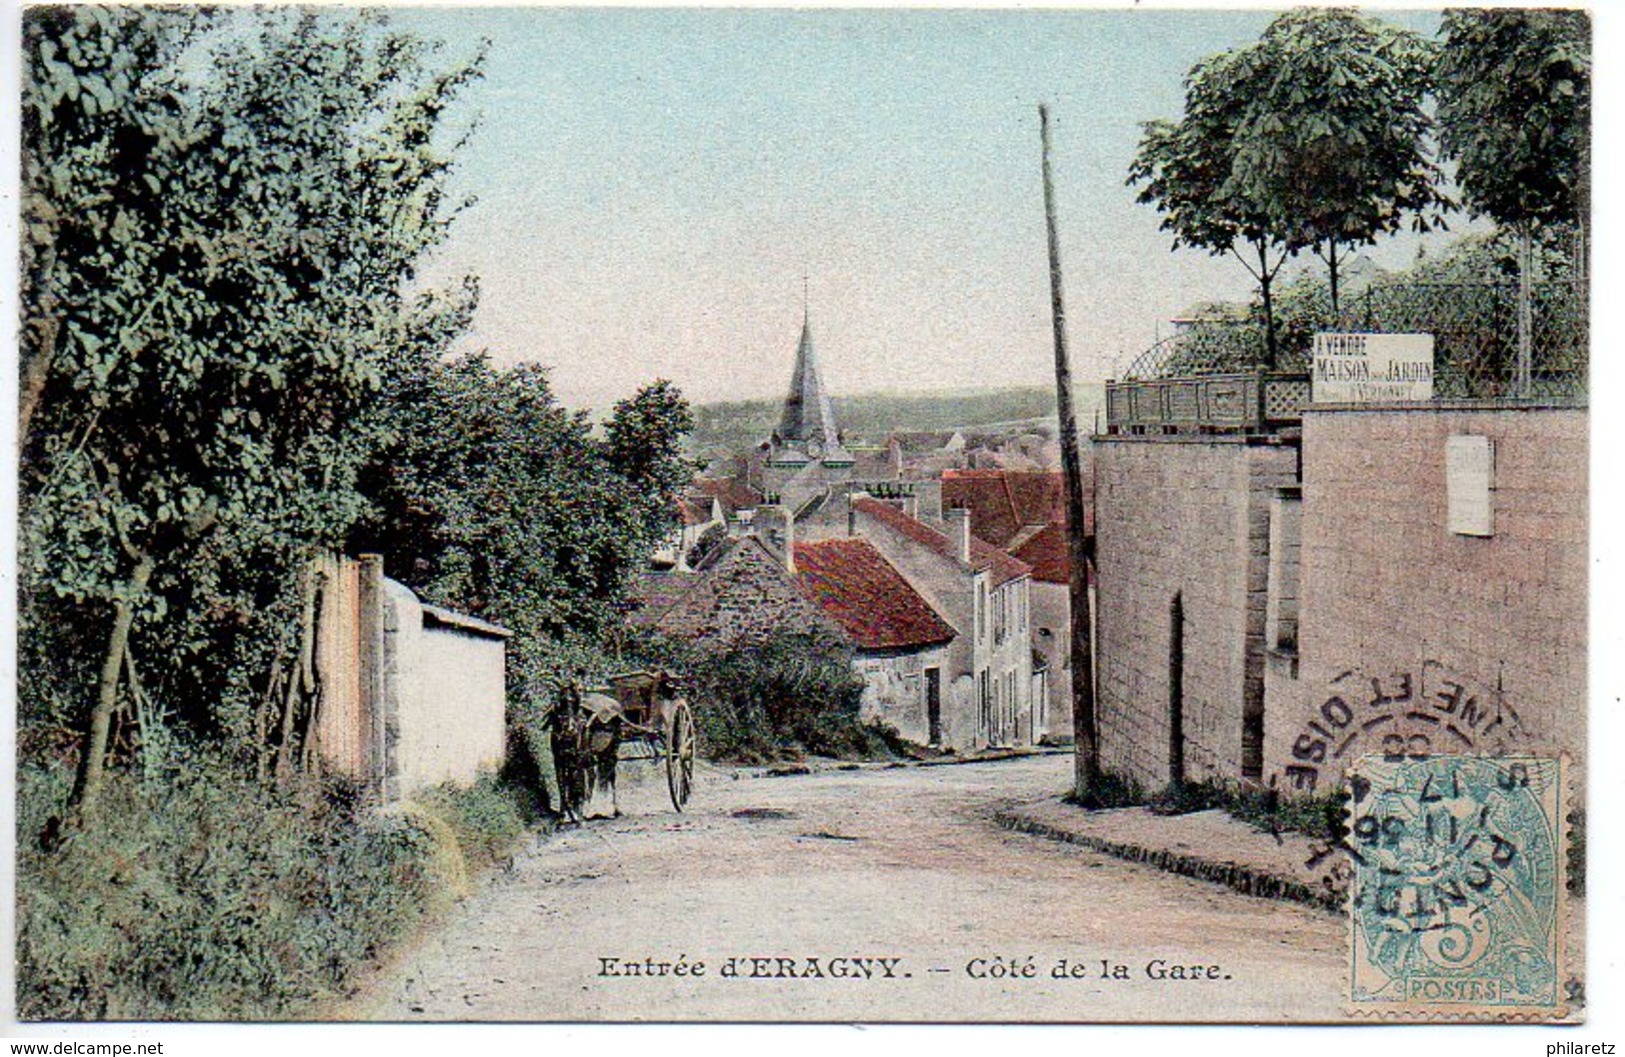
(1319,817)
(204,895)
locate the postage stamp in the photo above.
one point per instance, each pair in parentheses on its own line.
(1456,905)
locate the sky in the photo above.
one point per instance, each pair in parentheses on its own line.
(654,186)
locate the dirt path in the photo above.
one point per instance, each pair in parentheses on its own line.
(898,864)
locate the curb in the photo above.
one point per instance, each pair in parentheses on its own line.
(1238,877)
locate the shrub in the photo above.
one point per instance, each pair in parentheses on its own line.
(788,694)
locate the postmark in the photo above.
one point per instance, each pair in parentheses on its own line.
(1456,903)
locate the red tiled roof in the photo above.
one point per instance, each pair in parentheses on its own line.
(983,556)
(1002,502)
(860,590)
(1046,552)
(1008,507)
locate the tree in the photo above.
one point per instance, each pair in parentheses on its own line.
(1313,137)
(222,211)
(1334,138)
(644,438)
(1187,169)
(497,500)
(1514,89)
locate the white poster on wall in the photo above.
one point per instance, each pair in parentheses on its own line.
(1372,368)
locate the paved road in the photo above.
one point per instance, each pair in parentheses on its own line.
(901,868)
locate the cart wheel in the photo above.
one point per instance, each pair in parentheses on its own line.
(680,755)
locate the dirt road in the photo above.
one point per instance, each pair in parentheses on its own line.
(874,894)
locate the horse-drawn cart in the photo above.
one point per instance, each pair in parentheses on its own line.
(638,716)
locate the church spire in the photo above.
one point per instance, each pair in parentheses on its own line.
(807,429)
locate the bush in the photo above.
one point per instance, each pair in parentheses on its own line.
(205,896)
(792,693)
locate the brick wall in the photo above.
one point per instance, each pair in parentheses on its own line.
(1440,642)
(1187,515)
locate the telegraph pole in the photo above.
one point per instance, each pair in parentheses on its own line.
(1084,729)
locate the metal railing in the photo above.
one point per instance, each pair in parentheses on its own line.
(1474,327)
(1241,402)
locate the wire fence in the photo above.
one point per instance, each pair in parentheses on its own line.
(1474,328)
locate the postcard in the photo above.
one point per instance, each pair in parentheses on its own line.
(572,515)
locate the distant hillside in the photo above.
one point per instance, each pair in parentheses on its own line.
(866,418)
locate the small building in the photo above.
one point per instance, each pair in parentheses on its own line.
(984,594)
(1024,514)
(412,695)
(900,643)
(741,594)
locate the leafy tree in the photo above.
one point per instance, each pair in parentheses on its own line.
(1334,139)
(1186,169)
(221,211)
(497,500)
(1310,138)
(643,442)
(1514,90)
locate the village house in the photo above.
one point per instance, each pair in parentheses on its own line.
(740,595)
(754,587)
(984,594)
(900,643)
(1024,515)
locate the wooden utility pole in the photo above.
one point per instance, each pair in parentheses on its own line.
(1087,747)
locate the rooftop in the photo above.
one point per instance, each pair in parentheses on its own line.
(984,556)
(861,591)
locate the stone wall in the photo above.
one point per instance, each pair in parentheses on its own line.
(744,596)
(1411,634)
(412,696)
(451,698)
(894,690)
(1187,516)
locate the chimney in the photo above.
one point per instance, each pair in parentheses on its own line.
(958,522)
(928,500)
(789,542)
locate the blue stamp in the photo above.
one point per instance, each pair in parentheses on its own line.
(1457,892)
